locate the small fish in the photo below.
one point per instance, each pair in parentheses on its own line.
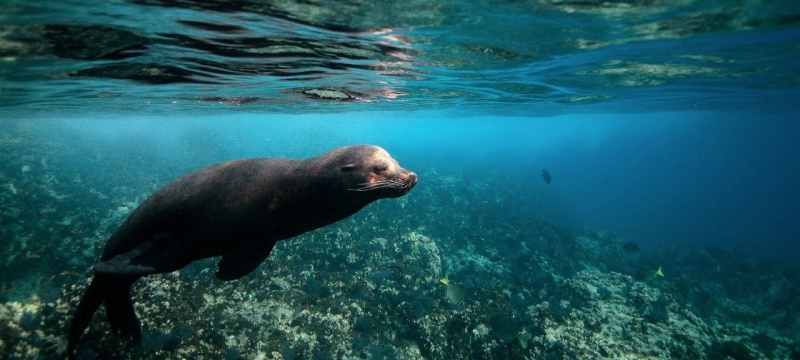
(646,275)
(505,328)
(523,339)
(546,176)
(453,293)
(10,289)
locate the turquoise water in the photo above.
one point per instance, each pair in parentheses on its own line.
(670,130)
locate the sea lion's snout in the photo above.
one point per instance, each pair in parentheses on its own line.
(412,178)
(408,181)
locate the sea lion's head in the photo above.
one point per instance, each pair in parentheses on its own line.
(372,171)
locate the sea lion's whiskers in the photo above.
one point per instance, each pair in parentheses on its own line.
(382,185)
(374,186)
(404,184)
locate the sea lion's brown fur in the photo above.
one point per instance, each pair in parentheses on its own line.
(237,210)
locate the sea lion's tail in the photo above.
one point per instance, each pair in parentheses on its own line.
(115,292)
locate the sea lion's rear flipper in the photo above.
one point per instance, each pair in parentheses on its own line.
(237,264)
(115,292)
(88,305)
(119,309)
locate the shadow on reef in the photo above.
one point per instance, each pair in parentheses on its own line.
(372,286)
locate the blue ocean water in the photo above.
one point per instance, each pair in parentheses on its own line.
(669,125)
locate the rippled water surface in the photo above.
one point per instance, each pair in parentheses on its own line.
(523,57)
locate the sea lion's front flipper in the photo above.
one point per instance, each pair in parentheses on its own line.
(237,264)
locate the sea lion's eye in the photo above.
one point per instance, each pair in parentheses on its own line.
(380,168)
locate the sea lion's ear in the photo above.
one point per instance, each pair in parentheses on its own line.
(349,167)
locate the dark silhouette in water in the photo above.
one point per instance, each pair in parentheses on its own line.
(546,176)
(237,210)
(631,247)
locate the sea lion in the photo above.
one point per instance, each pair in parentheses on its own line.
(237,210)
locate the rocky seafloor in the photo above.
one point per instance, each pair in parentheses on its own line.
(370,287)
